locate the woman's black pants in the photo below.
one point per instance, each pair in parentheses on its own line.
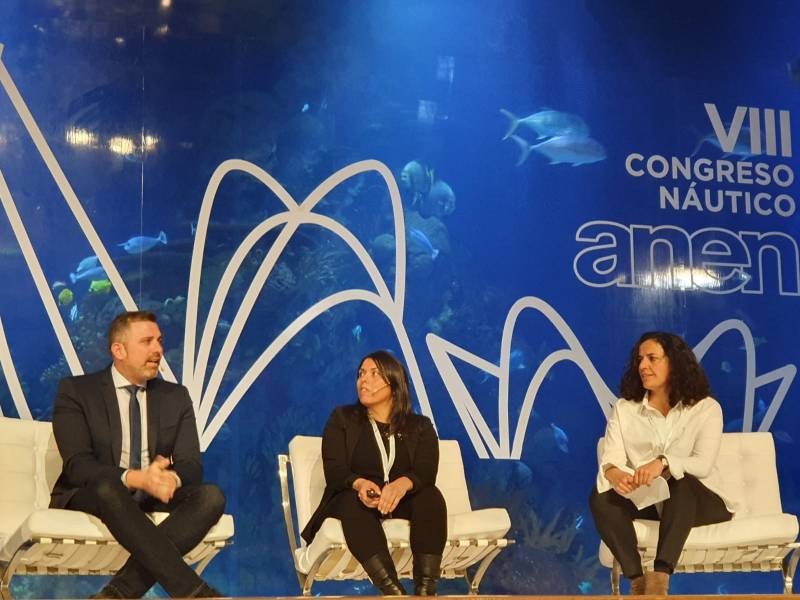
(690,504)
(365,538)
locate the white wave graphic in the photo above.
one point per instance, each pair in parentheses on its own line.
(479,432)
(196,363)
(196,357)
(785,374)
(80,216)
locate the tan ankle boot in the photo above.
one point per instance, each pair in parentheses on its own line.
(637,586)
(656,583)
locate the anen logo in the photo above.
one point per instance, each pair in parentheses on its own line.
(756,118)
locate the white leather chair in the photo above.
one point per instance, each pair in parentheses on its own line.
(473,536)
(760,537)
(37,540)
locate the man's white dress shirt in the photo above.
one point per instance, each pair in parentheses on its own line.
(124,401)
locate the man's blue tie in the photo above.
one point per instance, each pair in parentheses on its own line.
(135,417)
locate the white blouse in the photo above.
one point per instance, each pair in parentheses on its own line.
(689,436)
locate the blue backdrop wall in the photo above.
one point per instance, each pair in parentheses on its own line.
(540,177)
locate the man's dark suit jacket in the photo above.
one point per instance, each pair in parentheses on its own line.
(342,432)
(88,431)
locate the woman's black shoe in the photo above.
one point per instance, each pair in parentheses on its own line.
(381,572)
(427,570)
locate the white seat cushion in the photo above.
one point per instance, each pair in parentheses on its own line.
(75,525)
(30,465)
(762,530)
(488,523)
(746,463)
(305,454)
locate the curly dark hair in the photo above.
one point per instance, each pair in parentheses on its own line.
(687,379)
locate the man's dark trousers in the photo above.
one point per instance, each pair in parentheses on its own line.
(156,552)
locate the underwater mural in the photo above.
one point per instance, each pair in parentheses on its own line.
(504,195)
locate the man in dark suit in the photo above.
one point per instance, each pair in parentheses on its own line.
(129,445)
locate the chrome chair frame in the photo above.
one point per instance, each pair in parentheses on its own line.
(338,554)
(43,555)
(736,559)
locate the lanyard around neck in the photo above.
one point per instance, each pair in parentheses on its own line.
(386,461)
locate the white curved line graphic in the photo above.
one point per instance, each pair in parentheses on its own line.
(291,219)
(785,374)
(284,338)
(39,279)
(479,431)
(196,362)
(195,271)
(10,374)
(390,303)
(78,212)
(575,353)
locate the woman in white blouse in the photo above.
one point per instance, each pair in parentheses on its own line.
(665,424)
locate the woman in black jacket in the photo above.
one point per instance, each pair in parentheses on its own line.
(380,461)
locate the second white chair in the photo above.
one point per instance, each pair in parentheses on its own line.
(474,537)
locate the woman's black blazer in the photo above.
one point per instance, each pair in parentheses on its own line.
(342,431)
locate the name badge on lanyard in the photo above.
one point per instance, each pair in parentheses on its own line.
(386,461)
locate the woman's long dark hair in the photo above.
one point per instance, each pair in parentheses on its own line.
(393,371)
(687,379)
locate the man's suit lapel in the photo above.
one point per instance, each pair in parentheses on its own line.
(109,394)
(153,414)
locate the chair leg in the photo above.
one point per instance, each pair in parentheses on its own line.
(615,575)
(5,590)
(789,568)
(201,566)
(5,581)
(475,581)
(307,580)
(11,568)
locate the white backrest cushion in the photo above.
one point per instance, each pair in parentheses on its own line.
(308,478)
(746,465)
(450,479)
(29,466)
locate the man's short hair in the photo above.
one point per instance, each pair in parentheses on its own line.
(120,324)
